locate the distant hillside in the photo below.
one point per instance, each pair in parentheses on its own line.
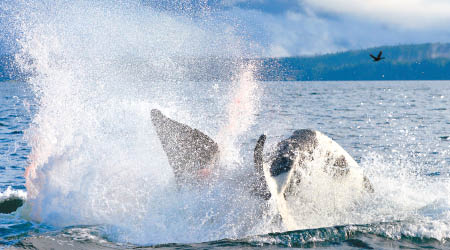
(403,62)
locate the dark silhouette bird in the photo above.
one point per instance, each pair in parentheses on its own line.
(378,58)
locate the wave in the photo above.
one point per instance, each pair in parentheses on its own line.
(385,235)
(98,69)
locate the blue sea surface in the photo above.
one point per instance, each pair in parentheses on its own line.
(17,106)
(15,117)
(399,132)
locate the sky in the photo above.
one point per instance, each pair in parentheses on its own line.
(310,27)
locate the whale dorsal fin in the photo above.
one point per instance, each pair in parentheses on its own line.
(188,150)
(260,187)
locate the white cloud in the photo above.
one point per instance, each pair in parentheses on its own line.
(407,14)
(308,27)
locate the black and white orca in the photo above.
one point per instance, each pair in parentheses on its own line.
(191,153)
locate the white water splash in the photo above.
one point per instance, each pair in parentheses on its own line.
(97,70)
(241,112)
(10,192)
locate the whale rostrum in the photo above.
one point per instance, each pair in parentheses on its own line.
(191,152)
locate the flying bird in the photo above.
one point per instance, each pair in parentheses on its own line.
(378,58)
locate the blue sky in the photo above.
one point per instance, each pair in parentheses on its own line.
(305,27)
(308,27)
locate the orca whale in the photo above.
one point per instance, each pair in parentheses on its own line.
(305,149)
(191,153)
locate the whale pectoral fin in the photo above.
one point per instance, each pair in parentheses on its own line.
(189,151)
(258,155)
(260,187)
(368,185)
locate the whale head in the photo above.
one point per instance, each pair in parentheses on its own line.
(305,151)
(192,153)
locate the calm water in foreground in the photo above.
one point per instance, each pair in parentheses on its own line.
(399,132)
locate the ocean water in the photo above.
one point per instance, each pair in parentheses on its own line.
(78,145)
(397,131)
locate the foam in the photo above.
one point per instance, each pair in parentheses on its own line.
(97,70)
(9,192)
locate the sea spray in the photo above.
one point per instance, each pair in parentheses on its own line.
(241,113)
(97,70)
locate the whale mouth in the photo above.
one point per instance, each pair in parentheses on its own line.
(280,165)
